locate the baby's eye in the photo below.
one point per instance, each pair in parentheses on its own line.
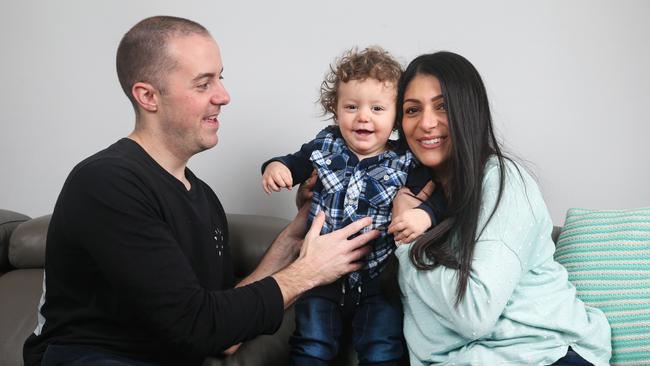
(377,108)
(350,107)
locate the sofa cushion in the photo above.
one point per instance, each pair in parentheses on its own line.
(9,220)
(249,245)
(27,243)
(607,255)
(20,293)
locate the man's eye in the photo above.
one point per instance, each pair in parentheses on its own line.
(203,86)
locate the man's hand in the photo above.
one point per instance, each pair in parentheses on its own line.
(276,176)
(324,258)
(333,255)
(304,194)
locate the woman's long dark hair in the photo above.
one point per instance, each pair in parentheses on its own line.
(451,243)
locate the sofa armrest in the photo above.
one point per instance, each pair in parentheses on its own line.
(250,237)
(9,220)
(27,243)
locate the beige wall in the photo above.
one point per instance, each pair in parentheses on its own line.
(568,82)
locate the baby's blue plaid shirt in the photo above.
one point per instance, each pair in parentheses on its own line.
(348,189)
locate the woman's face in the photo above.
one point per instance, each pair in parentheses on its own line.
(425,122)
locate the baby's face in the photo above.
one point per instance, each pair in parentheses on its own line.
(365,113)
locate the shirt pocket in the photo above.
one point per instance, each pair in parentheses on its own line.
(382,186)
(331,169)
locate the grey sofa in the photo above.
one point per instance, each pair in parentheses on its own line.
(22,257)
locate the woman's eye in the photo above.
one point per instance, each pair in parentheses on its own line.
(442,107)
(410,110)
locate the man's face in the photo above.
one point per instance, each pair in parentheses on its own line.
(193,95)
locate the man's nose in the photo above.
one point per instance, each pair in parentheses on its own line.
(220,96)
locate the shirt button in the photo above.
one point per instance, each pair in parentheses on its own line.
(328,162)
(386,177)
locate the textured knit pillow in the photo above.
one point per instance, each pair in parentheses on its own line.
(607,255)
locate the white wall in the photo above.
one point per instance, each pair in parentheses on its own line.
(568,81)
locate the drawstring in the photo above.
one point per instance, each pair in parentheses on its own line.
(359,295)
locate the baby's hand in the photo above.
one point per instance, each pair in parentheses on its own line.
(276,176)
(409,225)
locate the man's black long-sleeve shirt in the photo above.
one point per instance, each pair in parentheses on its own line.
(139,266)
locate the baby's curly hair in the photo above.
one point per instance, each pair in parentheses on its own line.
(373,62)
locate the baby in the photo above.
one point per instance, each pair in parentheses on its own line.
(359,173)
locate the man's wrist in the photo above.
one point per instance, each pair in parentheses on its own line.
(294,280)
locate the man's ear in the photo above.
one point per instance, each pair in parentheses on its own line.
(146,96)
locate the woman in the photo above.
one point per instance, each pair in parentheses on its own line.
(482,287)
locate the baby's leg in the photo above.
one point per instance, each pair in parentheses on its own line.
(377,328)
(318,329)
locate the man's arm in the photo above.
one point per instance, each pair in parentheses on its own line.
(304,274)
(283,251)
(286,246)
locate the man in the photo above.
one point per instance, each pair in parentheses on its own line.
(138,267)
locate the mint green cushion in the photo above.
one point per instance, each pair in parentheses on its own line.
(607,255)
